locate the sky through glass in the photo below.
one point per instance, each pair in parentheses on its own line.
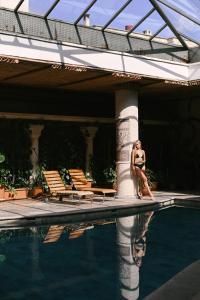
(103,10)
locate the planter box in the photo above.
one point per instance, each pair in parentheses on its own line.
(20,193)
(2,191)
(8,195)
(36,191)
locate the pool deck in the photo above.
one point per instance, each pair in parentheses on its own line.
(31,212)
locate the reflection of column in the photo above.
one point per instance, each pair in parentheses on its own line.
(36,272)
(131,242)
(129,271)
(89,134)
(127,134)
(35,134)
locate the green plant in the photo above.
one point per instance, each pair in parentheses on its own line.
(151,176)
(109,174)
(6,178)
(21,179)
(38,179)
(65,175)
(2,158)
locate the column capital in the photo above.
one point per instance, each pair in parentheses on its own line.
(89,131)
(36,129)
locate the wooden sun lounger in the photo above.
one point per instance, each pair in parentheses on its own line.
(58,189)
(80,183)
(54,233)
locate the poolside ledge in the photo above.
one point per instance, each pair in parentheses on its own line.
(30,212)
(183,286)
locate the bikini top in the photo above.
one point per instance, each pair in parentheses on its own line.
(139,156)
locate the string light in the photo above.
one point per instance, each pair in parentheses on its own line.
(75,68)
(69,67)
(9,60)
(126,75)
(183,82)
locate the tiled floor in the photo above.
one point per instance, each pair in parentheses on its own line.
(13,212)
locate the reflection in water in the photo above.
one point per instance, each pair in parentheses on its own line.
(73,261)
(132,247)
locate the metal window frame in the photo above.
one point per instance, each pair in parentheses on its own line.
(189,38)
(141,21)
(51,8)
(179,11)
(18,5)
(155,7)
(116,14)
(85,11)
(157,32)
(168,22)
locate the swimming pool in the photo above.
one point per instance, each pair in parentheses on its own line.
(126,259)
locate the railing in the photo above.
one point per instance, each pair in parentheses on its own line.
(39,27)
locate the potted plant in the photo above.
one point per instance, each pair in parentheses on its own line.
(21,184)
(2,181)
(152,181)
(6,180)
(17,184)
(37,183)
(110,177)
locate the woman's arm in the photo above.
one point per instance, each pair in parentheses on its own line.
(133,161)
(144,159)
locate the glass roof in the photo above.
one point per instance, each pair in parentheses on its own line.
(157,18)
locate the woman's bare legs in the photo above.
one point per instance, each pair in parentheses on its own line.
(140,185)
(143,178)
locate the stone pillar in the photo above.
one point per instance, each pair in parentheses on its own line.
(128,269)
(89,133)
(127,134)
(35,135)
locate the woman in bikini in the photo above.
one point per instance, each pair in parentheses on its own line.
(138,158)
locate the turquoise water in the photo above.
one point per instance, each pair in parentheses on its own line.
(131,257)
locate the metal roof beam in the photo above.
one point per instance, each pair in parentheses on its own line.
(189,38)
(170,25)
(84,12)
(179,11)
(116,14)
(18,5)
(140,21)
(157,32)
(51,8)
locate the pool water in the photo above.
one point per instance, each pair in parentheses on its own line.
(126,259)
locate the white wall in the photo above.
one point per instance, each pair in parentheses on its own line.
(194,71)
(52,52)
(13,3)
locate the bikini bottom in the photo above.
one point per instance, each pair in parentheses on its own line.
(139,165)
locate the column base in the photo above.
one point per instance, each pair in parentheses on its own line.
(127,197)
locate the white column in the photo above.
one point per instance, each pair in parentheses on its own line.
(127,134)
(128,270)
(35,135)
(89,133)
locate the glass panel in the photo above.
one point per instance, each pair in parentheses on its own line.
(135,11)
(102,11)
(182,24)
(69,10)
(190,7)
(151,25)
(167,34)
(39,7)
